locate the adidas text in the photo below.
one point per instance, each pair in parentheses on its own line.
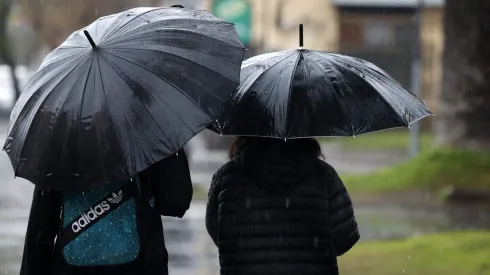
(91,215)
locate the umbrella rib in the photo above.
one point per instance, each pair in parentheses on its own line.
(12,126)
(129,21)
(57,116)
(265,71)
(336,95)
(171,84)
(370,85)
(197,64)
(272,66)
(290,88)
(114,41)
(178,56)
(152,117)
(263,60)
(125,115)
(178,117)
(61,59)
(108,111)
(30,125)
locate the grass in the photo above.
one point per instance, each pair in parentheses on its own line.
(462,253)
(388,140)
(199,193)
(433,170)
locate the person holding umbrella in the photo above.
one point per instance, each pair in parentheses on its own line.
(100,128)
(276,207)
(166,189)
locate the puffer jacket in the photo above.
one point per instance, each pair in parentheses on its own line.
(271,214)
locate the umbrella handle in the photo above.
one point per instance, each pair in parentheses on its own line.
(301,36)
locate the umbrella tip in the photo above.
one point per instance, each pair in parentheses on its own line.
(301,36)
(89,38)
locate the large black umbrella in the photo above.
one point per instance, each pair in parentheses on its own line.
(125,92)
(304,93)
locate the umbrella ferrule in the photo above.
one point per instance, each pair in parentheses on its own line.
(301,36)
(89,38)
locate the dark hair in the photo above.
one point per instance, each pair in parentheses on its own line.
(177,6)
(305,146)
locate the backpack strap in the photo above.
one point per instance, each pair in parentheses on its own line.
(98,211)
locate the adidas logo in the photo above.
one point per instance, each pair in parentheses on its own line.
(95,211)
(116,198)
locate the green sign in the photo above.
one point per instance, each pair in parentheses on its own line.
(237,12)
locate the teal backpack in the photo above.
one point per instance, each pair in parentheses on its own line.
(100,227)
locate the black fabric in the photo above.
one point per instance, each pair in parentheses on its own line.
(99,113)
(43,252)
(279,214)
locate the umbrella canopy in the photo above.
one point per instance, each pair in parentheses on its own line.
(125,92)
(304,93)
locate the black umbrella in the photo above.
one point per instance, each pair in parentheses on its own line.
(304,93)
(127,91)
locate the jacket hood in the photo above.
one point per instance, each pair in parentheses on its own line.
(274,167)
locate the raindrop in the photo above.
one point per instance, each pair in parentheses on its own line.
(288,202)
(177,154)
(284,139)
(193,157)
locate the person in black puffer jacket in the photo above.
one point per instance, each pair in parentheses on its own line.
(277,208)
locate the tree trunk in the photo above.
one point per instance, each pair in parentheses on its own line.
(5,52)
(15,82)
(463,119)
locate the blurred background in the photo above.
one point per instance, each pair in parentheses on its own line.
(421,196)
